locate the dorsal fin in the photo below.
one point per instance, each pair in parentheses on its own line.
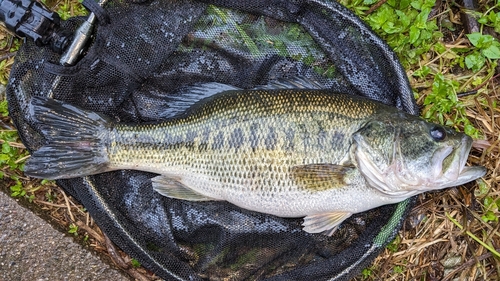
(188,96)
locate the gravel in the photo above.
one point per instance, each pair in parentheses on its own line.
(31,249)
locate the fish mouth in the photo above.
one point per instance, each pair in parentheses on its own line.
(447,169)
(448,165)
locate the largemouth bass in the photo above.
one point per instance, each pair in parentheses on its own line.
(286,152)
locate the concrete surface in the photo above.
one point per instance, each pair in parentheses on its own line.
(31,249)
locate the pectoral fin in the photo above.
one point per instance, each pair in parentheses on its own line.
(321,176)
(325,223)
(175,189)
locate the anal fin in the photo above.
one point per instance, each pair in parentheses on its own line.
(325,223)
(173,188)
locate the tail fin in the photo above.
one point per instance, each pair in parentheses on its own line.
(75,145)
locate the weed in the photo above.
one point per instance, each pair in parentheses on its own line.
(489,18)
(404,25)
(49,196)
(64,11)
(393,246)
(69,8)
(73,229)
(10,154)
(491,207)
(443,106)
(486,48)
(398,269)
(135,263)
(17,189)
(12,157)
(482,189)
(366,273)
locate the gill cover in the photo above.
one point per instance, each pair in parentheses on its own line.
(374,150)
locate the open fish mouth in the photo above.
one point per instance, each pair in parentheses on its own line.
(448,165)
(447,169)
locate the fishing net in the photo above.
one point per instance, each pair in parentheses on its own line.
(142,56)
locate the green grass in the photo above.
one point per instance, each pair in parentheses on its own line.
(66,8)
(405,26)
(12,157)
(402,24)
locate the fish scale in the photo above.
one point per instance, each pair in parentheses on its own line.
(286,152)
(250,133)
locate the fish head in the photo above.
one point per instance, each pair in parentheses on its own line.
(404,155)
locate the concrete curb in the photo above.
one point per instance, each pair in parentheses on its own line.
(31,249)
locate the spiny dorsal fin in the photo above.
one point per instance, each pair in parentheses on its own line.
(188,96)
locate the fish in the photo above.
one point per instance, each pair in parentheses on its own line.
(286,151)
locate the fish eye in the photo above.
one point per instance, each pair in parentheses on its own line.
(438,133)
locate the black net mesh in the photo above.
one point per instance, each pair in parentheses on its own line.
(141,59)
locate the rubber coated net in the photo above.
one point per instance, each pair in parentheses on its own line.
(143,55)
